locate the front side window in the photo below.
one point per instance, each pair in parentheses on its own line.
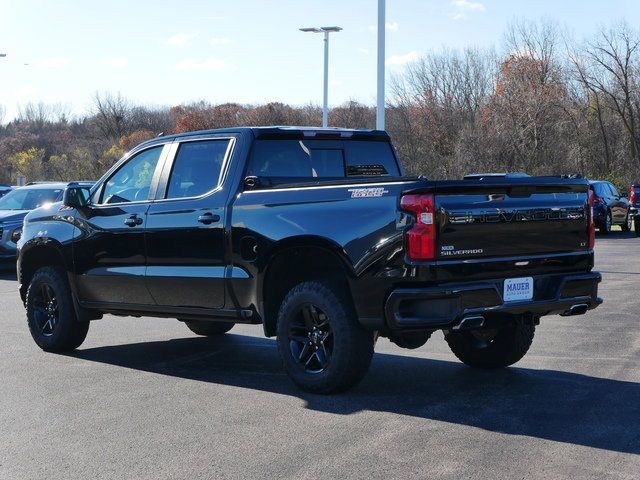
(132,181)
(614,191)
(196,169)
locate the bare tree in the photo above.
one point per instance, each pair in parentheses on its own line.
(608,67)
(111,114)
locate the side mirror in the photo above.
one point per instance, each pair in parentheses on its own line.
(76,196)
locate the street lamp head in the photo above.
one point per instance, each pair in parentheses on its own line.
(3,54)
(330,29)
(311,29)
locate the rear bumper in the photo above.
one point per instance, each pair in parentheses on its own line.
(447,306)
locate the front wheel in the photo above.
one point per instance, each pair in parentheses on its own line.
(51,316)
(636,225)
(628,224)
(322,346)
(492,348)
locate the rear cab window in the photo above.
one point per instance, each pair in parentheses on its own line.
(283,161)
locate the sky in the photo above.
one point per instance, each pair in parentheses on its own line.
(247,51)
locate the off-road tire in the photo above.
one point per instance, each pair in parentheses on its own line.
(628,223)
(508,346)
(67,333)
(351,345)
(605,226)
(208,329)
(636,225)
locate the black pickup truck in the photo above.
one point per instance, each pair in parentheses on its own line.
(318,236)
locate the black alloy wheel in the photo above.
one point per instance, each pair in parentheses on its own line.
(311,338)
(51,315)
(45,309)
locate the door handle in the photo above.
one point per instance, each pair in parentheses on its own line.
(133,220)
(208,218)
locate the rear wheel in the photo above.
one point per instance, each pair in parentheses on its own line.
(492,348)
(208,329)
(628,224)
(322,346)
(636,225)
(51,316)
(605,228)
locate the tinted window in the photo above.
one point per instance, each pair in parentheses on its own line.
(132,181)
(196,169)
(601,189)
(321,159)
(370,158)
(29,198)
(280,158)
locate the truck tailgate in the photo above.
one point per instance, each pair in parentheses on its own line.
(491,217)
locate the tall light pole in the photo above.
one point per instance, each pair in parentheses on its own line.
(381,37)
(325,96)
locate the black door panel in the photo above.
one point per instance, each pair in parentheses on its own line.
(185,257)
(185,230)
(110,259)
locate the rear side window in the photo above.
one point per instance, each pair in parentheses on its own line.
(196,168)
(314,159)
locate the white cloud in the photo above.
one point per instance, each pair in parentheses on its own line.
(210,63)
(55,62)
(219,41)
(462,7)
(335,83)
(118,62)
(364,51)
(468,5)
(391,27)
(180,39)
(402,59)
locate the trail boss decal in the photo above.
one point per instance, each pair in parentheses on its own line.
(367,192)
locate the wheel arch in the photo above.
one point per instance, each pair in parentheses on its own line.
(35,254)
(295,260)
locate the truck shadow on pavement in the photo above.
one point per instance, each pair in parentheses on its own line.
(547,404)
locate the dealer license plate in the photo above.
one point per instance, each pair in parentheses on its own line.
(518,289)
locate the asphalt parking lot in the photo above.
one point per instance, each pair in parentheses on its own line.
(145,398)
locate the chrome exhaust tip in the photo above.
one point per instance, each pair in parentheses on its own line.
(470,322)
(577,309)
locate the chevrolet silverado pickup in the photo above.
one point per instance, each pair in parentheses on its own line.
(318,236)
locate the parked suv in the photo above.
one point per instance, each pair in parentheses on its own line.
(609,207)
(15,205)
(318,236)
(4,189)
(634,202)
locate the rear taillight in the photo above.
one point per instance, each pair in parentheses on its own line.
(421,238)
(591,226)
(633,196)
